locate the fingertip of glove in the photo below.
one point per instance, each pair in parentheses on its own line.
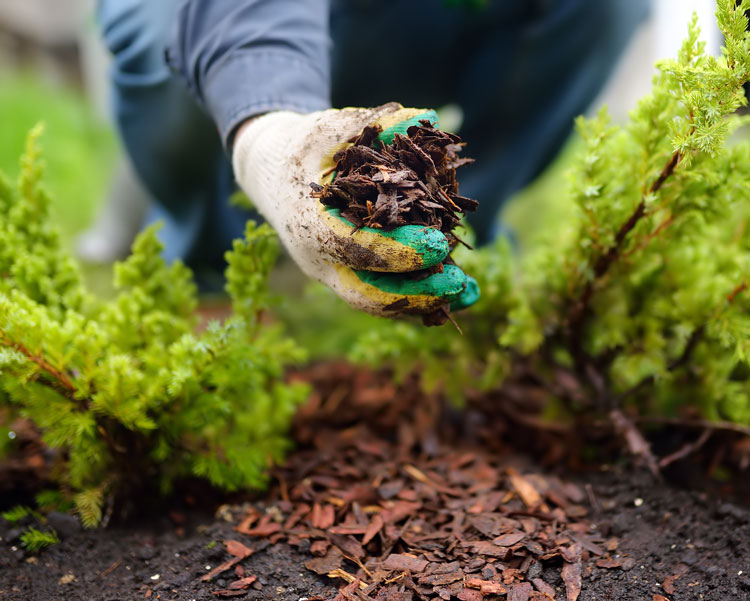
(450,283)
(446,285)
(468,297)
(430,244)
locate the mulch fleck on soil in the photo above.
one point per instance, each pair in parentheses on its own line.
(391,510)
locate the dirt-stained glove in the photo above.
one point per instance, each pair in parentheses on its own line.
(277,156)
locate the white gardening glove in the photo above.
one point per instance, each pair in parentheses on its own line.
(278,155)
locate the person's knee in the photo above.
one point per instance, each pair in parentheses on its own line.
(135,33)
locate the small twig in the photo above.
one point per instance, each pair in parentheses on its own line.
(738,289)
(339,573)
(108,512)
(60,377)
(695,423)
(592,498)
(637,444)
(395,578)
(110,569)
(649,237)
(358,562)
(686,450)
(453,321)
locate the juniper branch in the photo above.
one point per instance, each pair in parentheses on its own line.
(61,380)
(684,358)
(606,260)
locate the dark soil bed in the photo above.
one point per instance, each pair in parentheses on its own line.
(383,500)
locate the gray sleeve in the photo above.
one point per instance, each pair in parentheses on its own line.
(246,57)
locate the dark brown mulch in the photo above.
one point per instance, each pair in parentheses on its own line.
(394,509)
(409,182)
(470,507)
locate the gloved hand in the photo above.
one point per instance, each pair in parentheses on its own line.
(277,156)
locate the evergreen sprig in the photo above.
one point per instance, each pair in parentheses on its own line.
(35,540)
(127,390)
(16,514)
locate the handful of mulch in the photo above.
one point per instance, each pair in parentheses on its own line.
(409,182)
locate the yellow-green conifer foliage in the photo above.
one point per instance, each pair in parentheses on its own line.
(126,390)
(642,296)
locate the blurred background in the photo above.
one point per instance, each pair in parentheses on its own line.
(53,69)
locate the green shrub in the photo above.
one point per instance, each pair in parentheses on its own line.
(127,390)
(32,538)
(641,296)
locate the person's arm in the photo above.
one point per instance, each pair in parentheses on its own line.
(270,59)
(243,58)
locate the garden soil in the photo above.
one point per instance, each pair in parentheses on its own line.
(389,496)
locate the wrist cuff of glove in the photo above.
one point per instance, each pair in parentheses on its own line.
(252,83)
(262,145)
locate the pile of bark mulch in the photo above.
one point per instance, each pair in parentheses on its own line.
(389,507)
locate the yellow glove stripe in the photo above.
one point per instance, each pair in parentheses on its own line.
(398,116)
(368,249)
